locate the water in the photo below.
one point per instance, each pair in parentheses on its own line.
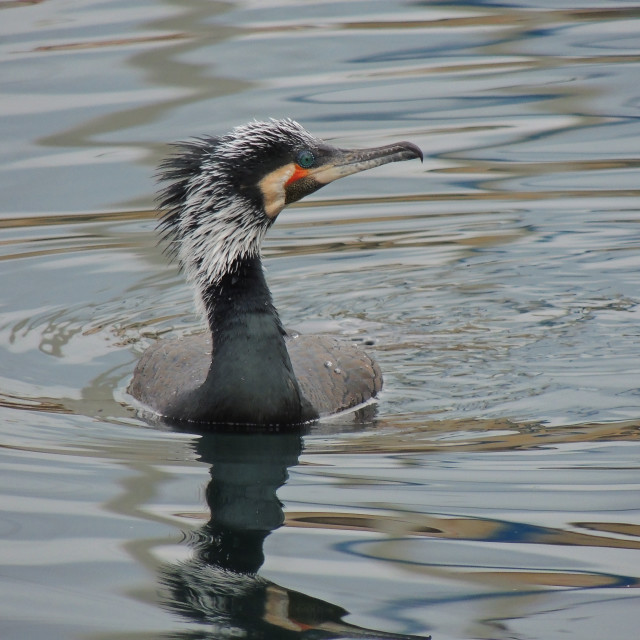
(496,494)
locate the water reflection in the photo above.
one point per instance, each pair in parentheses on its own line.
(219,586)
(496,496)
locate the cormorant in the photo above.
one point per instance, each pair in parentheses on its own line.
(223,195)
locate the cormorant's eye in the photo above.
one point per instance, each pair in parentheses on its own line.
(305,159)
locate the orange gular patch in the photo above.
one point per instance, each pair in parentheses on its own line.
(298,173)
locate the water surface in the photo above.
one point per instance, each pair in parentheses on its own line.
(495,495)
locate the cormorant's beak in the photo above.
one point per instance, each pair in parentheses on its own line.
(331,163)
(338,163)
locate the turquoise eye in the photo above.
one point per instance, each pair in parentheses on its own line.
(305,159)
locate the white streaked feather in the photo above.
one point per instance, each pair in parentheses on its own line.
(246,138)
(217,226)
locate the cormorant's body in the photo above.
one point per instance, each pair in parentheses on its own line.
(332,374)
(224,194)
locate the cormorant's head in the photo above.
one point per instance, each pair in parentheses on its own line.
(225,192)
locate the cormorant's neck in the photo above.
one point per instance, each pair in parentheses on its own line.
(250,380)
(241,292)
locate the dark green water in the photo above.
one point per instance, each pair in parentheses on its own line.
(496,495)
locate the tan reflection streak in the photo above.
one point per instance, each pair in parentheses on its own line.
(475,435)
(81,218)
(485,196)
(116,42)
(509,65)
(415,525)
(10,4)
(504,18)
(550,579)
(621,528)
(49,405)
(540,168)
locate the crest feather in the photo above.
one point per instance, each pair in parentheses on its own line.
(179,169)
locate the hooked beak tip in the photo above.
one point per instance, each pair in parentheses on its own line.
(413,149)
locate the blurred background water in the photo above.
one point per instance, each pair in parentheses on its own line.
(496,494)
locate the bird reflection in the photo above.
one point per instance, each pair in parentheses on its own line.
(219,587)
